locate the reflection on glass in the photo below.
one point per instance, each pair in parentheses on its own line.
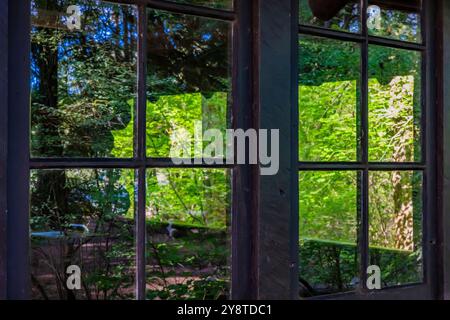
(395,231)
(394,104)
(82,79)
(328,99)
(398,20)
(217,4)
(328,232)
(339,15)
(188,79)
(83,218)
(188,212)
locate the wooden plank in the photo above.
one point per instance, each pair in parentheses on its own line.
(443,113)
(3,140)
(245,177)
(18,285)
(278,195)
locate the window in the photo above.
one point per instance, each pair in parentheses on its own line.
(363,145)
(111,86)
(102,179)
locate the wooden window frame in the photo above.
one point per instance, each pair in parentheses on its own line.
(265,94)
(248,210)
(427,165)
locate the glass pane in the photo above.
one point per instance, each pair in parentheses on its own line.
(395,231)
(188,215)
(82,218)
(217,4)
(328,99)
(82,79)
(398,20)
(328,232)
(394,105)
(188,80)
(339,15)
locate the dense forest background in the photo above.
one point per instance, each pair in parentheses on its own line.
(83,106)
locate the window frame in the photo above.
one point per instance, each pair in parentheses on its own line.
(3,141)
(140,162)
(427,165)
(264,260)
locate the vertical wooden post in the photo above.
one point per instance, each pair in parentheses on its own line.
(245,177)
(18,149)
(3,140)
(276,38)
(443,114)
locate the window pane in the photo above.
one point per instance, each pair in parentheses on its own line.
(82,218)
(328,232)
(394,105)
(188,214)
(397,20)
(395,231)
(188,79)
(328,99)
(338,15)
(217,4)
(82,79)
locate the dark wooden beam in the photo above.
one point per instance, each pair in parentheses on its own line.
(244,284)
(430,143)
(18,284)
(443,151)
(278,109)
(3,140)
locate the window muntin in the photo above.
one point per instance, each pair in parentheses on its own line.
(392,173)
(118,164)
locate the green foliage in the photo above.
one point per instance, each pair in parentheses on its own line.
(191,265)
(328,205)
(328,100)
(199,196)
(398,25)
(82,84)
(204,289)
(347,19)
(170,113)
(333,267)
